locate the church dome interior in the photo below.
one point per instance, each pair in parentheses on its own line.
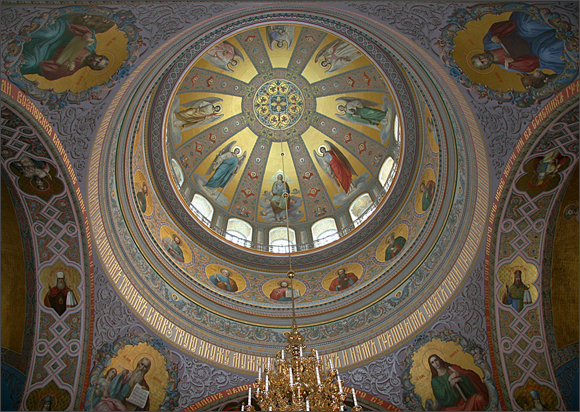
(184,183)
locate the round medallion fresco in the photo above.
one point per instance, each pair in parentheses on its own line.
(278,104)
(388,168)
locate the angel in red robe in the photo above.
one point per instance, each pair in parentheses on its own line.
(337,167)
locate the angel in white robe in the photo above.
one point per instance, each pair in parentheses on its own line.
(198,112)
(278,34)
(223,56)
(362,111)
(336,55)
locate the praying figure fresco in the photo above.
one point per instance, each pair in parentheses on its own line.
(517,290)
(60,287)
(517,295)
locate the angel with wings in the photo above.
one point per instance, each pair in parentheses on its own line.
(336,166)
(223,55)
(354,109)
(278,34)
(199,112)
(336,55)
(225,166)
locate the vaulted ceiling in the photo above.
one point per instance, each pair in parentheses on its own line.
(155,187)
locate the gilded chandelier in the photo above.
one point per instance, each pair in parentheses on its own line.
(293,381)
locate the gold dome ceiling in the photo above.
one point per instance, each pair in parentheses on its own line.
(267,106)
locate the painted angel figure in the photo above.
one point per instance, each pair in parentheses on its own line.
(198,112)
(362,111)
(223,56)
(353,109)
(336,165)
(278,34)
(336,55)
(224,167)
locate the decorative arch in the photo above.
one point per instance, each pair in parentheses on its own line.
(59,243)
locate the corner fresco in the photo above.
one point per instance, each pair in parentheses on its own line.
(510,52)
(135,360)
(442,370)
(72,54)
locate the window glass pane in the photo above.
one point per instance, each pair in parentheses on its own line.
(239,232)
(202,208)
(361,208)
(324,231)
(177,172)
(278,239)
(397,128)
(387,172)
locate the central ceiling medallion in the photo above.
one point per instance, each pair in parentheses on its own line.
(278,104)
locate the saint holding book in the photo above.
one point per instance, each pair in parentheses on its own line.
(128,391)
